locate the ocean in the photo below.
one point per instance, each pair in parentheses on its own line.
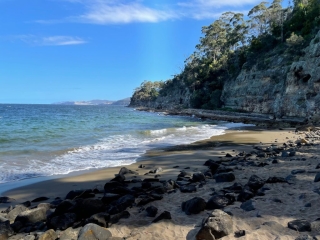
(46,140)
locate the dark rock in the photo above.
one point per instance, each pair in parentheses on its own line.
(275,161)
(26,204)
(102,219)
(119,178)
(163,215)
(255,182)
(300,225)
(276,180)
(151,211)
(151,180)
(5,199)
(225,177)
(146,185)
(87,193)
(40,199)
(116,217)
(247,206)
(285,154)
(64,207)
(125,170)
(32,216)
(194,205)
(175,167)
(209,162)
(188,188)
(141,166)
(87,207)
(318,166)
(198,177)
(239,233)
(110,197)
(5,230)
(218,225)
(236,188)
(317,177)
(217,202)
(245,195)
(157,170)
(62,222)
(228,155)
(121,204)
(262,155)
(56,202)
(213,167)
(92,231)
(110,186)
(297,171)
(307,205)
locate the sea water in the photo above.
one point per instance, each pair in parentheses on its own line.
(46,140)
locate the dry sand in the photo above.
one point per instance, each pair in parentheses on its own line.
(293,197)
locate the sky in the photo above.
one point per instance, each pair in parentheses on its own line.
(72,50)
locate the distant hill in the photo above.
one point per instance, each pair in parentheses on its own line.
(125,102)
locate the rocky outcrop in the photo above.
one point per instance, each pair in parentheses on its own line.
(285,90)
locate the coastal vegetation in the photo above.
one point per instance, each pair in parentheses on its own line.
(232,43)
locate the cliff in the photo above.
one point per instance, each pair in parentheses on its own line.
(283,90)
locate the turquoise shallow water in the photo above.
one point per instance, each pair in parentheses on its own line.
(46,140)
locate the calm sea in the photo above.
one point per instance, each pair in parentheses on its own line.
(46,140)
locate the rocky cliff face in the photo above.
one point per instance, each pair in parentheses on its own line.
(285,90)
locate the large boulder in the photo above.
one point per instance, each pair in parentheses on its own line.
(69,234)
(217,202)
(219,224)
(15,212)
(194,205)
(48,235)
(300,225)
(92,231)
(121,204)
(225,177)
(85,208)
(32,216)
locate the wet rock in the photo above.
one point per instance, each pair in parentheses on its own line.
(255,182)
(194,205)
(225,177)
(219,224)
(163,215)
(247,206)
(217,202)
(62,222)
(151,211)
(32,216)
(92,231)
(48,235)
(301,225)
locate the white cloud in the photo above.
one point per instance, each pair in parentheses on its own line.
(51,40)
(109,12)
(127,11)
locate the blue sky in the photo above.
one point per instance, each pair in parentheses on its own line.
(65,50)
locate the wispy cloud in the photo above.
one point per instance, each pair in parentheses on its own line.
(50,40)
(127,11)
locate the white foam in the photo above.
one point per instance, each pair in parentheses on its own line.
(111,151)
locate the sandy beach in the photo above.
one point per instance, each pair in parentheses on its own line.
(282,202)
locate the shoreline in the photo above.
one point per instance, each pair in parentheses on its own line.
(279,204)
(94,177)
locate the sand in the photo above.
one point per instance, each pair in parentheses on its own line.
(281,204)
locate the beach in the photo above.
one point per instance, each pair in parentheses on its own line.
(281,203)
